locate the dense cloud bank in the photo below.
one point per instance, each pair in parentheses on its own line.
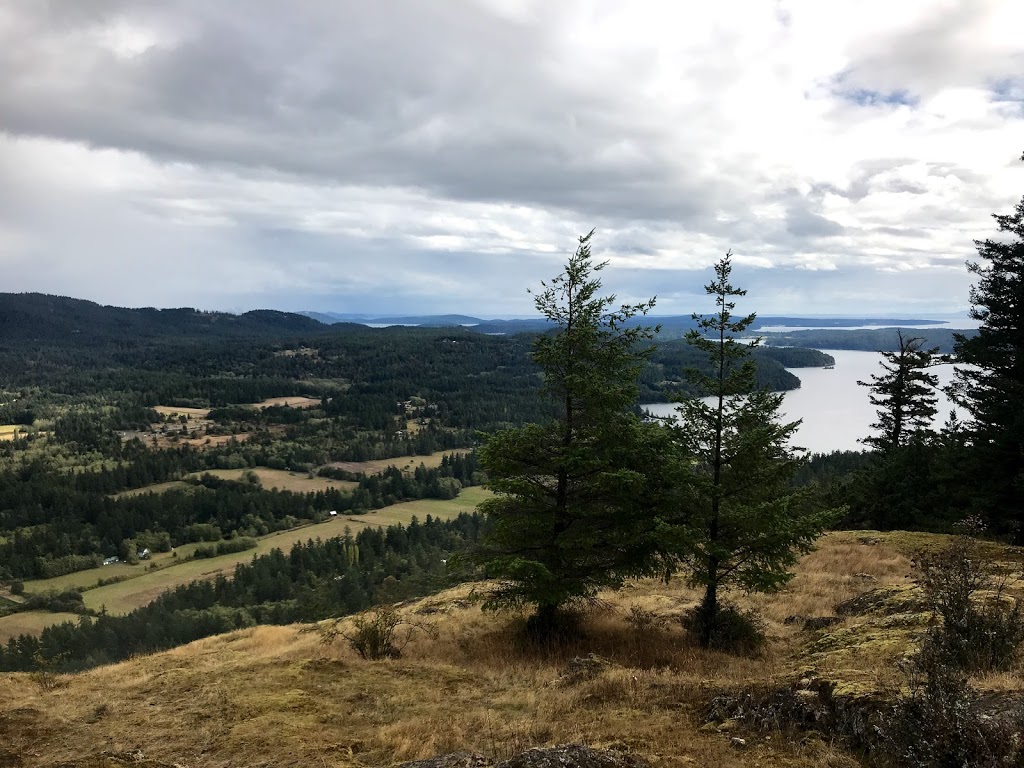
(434,157)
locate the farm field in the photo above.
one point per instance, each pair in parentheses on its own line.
(30,623)
(87,579)
(291,402)
(155,488)
(200,442)
(405,463)
(10,431)
(283,480)
(127,595)
(174,410)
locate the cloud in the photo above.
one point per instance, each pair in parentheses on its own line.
(444,156)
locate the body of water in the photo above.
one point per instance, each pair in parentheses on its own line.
(953,325)
(836,411)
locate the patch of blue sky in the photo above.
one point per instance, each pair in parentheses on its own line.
(867,97)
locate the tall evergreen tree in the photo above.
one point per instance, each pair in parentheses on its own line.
(746,524)
(991,386)
(575,509)
(904,394)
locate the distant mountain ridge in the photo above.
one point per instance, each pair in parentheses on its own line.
(42,317)
(671,325)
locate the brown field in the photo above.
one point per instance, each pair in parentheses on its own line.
(88,578)
(174,410)
(291,402)
(10,431)
(299,482)
(5,594)
(155,488)
(405,463)
(201,442)
(279,696)
(30,623)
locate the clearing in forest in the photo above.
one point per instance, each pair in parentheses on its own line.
(282,479)
(291,402)
(10,431)
(30,623)
(142,583)
(174,410)
(404,463)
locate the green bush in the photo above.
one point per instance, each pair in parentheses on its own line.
(733,630)
(226,547)
(980,627)
(937,723)
(68,601)
(375,634)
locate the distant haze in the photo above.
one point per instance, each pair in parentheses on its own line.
(429,157)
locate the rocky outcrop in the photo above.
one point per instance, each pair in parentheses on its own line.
(562,756)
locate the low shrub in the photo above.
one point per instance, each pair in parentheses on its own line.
(980,627)
(226,547)
(68,601)
(938,723)
(376,634)
(733,630)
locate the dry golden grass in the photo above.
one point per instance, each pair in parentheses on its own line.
(277,696)
(155,488)
(10,431)
(200,442)
(174,410)
(291,402)
(30,623)
(282,480)
(405,463)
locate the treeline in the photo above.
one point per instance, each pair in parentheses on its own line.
(865,339)
(664,374)
(52,526)
(392,485)
(473,380)
(925,485)
(313,581)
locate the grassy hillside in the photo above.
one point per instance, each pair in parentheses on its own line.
(278,696)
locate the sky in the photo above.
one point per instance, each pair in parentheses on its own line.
(400,156)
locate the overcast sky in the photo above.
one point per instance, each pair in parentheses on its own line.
(443,156)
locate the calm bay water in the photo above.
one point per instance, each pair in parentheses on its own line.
(835,411)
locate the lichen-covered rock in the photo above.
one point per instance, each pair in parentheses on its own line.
(454,760)
(905,598)
(583,668)
(573,756)
(562,756)
(814,623)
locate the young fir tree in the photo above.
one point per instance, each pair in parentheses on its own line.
(746,525)
(577,497)
(904,395)
(991,389)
